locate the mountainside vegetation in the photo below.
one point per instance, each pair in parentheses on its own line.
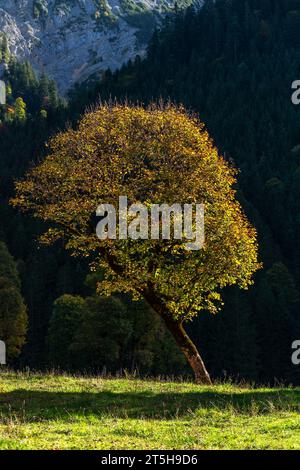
(73,40)
(233,62)
(13,315)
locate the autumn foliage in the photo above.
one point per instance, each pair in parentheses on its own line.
(154,155)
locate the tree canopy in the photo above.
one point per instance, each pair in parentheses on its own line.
(153,156)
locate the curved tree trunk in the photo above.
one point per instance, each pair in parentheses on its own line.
(185,344)
(189,350)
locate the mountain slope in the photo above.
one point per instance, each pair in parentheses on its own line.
(234,62)
(73,39)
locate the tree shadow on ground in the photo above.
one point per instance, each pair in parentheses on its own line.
(47,405)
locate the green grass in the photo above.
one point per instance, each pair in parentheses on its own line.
(63,412)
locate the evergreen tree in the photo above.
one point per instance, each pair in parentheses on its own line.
(13,316)
(20,109)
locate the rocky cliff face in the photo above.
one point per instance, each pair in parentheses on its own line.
(73,39)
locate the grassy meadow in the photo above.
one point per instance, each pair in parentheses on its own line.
(64,412)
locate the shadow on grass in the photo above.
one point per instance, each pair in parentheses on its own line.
(47,405)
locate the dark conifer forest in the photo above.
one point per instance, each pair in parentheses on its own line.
(233,62)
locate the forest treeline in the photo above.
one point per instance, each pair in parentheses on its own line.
(233,62)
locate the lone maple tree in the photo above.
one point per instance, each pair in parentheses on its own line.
(154,155)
